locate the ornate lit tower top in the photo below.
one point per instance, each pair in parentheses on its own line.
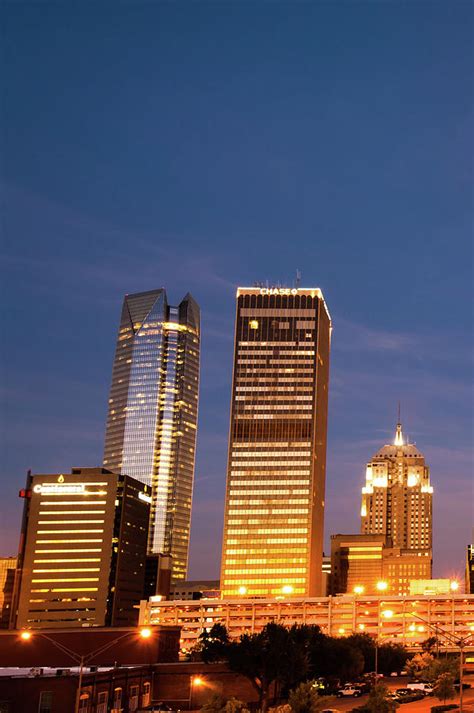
(397,496)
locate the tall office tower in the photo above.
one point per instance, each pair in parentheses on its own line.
(397,497)
(82,550)
(273,529)
(153,411)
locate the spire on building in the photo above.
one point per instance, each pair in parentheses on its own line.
(399,434)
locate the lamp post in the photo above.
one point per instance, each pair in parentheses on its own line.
(451,639)
(82,659)
(194,681)
(387,614)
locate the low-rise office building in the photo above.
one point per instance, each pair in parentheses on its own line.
(82,550)
(365,563)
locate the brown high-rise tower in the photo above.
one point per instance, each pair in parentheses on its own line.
(273,531)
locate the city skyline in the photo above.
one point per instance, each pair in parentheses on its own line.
(338,142)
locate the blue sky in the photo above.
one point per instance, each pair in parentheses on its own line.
(199,146)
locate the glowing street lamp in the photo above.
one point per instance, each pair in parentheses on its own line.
(145,633)
(382,586)
(25,635)
(287,589)
(242,591)
(195,682)
(359,589)
(454,586)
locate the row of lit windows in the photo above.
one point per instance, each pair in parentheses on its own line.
(268,570)
(270,416)
(274,491)
(267,531)
(266,501)
(238,457)
(262,550)
(267,476)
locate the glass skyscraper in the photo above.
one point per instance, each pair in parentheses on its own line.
(153,411)
(273,530)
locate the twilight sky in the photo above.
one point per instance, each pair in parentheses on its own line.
(200,146)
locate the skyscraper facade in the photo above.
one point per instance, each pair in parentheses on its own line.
(153,412)
(397,499)
(273,529)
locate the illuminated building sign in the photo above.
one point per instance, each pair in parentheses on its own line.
(145,497)
(278,291)
(60,488)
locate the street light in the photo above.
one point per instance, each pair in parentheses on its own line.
(382,586)
(451,639)
(386,614)
(82,659)
(194,681)
(359,589)
(242,591)
(454,586)
(287,589)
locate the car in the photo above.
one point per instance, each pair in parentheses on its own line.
(425,688)
(364,686)
(350,690)
(331,710)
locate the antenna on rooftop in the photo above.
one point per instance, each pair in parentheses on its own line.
(298,278)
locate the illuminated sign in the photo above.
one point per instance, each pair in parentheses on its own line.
(143,496)
(60,488)
(278,291)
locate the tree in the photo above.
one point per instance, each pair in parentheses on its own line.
(264,659)
(366,645)
(305,699)
(212,645)
(430,644)
(215,704)
(336,658)
(438,667)
(219,704)
(392,657)
(417,665)
(444,687)
(379,700)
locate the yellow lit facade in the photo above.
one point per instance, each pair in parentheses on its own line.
(273,530)
(337,616)
(153,408)
(397,502)
(7,579)
(88,570)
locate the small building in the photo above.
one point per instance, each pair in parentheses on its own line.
(196,589)
(7,579)
(82,550)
